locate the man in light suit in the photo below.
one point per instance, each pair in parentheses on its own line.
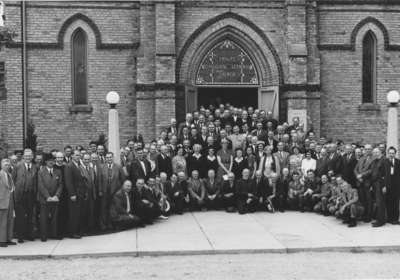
(282,156)
(112,177)
(6,204)
(90,181)
(25,180)
(49,193)
(362,171)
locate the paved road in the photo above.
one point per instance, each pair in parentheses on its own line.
(244,266)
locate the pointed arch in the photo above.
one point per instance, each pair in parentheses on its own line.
(369,50)
(242,31)
(79,67)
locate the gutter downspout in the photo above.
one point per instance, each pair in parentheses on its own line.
(24,74)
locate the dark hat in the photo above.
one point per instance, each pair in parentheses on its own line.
(48,157)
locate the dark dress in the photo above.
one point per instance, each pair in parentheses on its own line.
(238,167)
(211,164)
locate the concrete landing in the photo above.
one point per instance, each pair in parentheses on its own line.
(220,232)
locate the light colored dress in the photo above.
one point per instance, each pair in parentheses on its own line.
(295,163)
(226,158)
(179,164)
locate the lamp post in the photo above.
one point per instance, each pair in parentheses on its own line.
(393,98)
(112,99)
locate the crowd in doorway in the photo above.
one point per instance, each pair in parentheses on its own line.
(232,159)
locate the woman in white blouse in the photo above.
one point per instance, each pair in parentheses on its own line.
(308,163)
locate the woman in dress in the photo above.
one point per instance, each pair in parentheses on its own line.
(179,161)
(251,161)
(211,161)
(295,160)
(269,165)
(239,163)
(225,160)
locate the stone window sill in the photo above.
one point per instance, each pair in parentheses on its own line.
(81,108)
(369,107)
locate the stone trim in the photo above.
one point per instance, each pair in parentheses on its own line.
(300,87)
(166,54)
(369,107)
(60,38)
(83,108)
(239,18)
(135,7)
(158,86)
(353,36)
(357,2)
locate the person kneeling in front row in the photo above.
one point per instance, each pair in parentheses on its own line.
(121,208)
(352,209)
(229,193)
(247,199)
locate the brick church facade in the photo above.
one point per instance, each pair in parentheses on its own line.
(331,62)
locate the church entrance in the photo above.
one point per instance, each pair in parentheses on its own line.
(237,96)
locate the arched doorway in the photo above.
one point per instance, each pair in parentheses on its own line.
(228,59)
(227,73)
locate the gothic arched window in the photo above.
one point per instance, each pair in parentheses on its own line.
(79,67)
(369,68)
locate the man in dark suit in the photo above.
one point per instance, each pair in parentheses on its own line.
(121,208)
(49,193)
(247,199)
(392,186)
(187,123)
(25,180)
(322,164)
(62,218)
(348,164)
(265,192)
(145,203)
(213,189)
(260,132)
(164,161)
(140,168)
(334,160)
(378,173)
(112,177)
(228,193)
(77,191)
(7,189)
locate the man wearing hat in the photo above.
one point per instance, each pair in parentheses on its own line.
(49,192)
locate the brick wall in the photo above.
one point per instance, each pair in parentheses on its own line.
(341,72)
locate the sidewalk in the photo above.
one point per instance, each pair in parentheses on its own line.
(220,232)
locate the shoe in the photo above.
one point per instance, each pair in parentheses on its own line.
(376,224)
(30,238)
(352,223)
(395,222)
(345,221)
(20,240)
(3,244)
(43,239)
(162,217)
(366,220)
(75,236)
(11,243)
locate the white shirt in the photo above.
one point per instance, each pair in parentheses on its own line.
(307,164)
(143,167)
(128,203)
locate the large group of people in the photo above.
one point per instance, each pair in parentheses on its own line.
(220,158)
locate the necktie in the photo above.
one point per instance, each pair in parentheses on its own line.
(29,168)
(10,182)
(51,172)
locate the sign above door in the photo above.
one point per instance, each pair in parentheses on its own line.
(227,64)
